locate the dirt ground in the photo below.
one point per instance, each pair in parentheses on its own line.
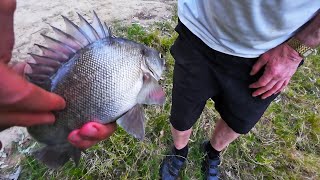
(33,17)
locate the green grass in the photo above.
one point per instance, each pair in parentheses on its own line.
(285,144)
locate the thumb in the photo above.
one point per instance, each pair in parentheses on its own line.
(258,65)
(19,68)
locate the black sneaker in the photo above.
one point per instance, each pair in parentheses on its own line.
(170,167)
(210,167)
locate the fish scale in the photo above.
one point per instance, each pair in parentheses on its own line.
(102,78)
(107,110)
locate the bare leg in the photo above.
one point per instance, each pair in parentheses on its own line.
(180,138)
(222,136)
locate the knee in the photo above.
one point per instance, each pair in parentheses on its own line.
(183,133)
(7,6)
(178,133)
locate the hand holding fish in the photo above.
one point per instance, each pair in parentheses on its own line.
(90,134)
(21,103)
(280,64)
(25,104)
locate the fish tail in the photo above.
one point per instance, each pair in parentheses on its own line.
(55,156)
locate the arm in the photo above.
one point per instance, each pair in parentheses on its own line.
(24,104)
(282,61)
(310,34)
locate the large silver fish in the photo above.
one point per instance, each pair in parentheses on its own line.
(102,78)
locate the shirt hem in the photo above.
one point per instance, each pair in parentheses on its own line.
(214,46)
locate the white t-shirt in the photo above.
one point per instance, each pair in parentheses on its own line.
(245,28)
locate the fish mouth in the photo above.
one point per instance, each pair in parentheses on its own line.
(153,73)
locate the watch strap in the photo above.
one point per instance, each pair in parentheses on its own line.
(301,48)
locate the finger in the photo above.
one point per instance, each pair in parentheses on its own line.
(8,119)
(262,81)
(264,89)
(284,85)
(258,65)
(272,91)
(7,8)
(96,132)
(76,140)
(19,68)
(18,94)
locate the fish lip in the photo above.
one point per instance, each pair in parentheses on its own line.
(155,76)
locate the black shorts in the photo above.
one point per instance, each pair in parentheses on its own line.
(201,73)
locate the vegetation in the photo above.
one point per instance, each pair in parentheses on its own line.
(285,144)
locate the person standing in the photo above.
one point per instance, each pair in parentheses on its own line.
(241,54)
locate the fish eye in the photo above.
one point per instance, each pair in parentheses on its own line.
(160,55)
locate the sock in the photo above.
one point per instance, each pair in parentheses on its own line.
(182,153)
(212,153)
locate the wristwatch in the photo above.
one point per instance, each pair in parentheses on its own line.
(303,50)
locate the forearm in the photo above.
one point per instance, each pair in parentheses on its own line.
(7,8)
(310,33)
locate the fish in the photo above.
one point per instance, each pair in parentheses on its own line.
(103,78)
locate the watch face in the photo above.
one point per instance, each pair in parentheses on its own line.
(307,53)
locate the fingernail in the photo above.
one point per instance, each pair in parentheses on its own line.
(60,103)
(88,130)
(74,138)
(92,131)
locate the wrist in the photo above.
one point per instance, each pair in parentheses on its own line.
(299,47)
(292,54)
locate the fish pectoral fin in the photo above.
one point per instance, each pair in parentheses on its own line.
(151,92)
(133,122)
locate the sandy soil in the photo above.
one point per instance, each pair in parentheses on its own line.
(33,17)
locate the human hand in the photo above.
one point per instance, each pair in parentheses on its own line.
(21,103)
(24,104)
(90,134)
(280,64)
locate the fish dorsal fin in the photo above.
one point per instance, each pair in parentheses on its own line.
(88,29)
(59,46)
(64,47)
(107,29)
(41,69)
(103,30)
(52,53)
(78,33)
(46,61)
(97,25)
(67,39)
